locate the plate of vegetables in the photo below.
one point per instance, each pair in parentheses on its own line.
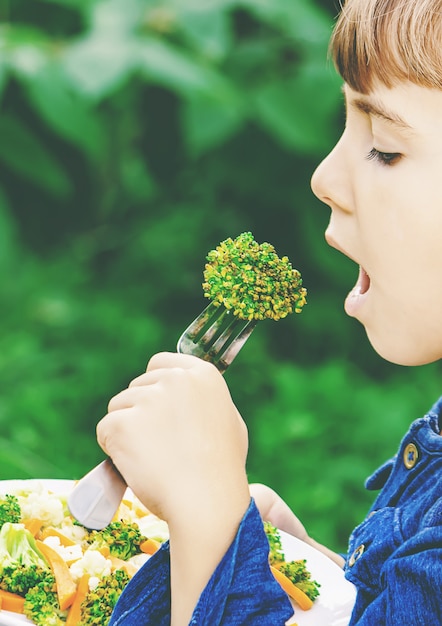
(55,572)
(316,586)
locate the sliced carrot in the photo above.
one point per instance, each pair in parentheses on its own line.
(301,599)
(120,564)
(66,587)
(74,615)
(11,601)
(105,551)
(33,525)
(50,531)
(149,546)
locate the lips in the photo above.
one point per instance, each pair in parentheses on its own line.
(356,297)
(363,282)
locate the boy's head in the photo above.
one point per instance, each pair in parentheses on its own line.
(389,41)
(383,180)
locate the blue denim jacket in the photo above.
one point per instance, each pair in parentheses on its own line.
(242,589)
(394,556)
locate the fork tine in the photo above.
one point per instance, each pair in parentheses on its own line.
(195,328)
(233,344)
(210,336)
(216,335)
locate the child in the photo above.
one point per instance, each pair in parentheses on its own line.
(177,437)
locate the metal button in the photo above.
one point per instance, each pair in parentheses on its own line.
(411,455)
(356,554)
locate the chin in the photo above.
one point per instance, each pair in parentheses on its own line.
(405,352)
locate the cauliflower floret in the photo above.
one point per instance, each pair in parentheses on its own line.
(42,504)
(73,531)
(67,553)
(138,560)
(153,527)
(93,582)
(92,563)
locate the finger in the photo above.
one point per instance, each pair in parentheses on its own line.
(166,360)
(106,430)
(150,377)
(129,397)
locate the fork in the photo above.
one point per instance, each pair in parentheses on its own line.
(216,335)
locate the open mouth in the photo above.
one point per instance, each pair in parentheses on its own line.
(355,298)
(363,282)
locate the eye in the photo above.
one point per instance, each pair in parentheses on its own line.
(385,158)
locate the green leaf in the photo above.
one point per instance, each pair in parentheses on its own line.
(298,111)
(24,49)
(116,18)
(65,111)
(23,152)
(3,77)
(207,28)
(18,463)
(303,19)
(8,235)
(136,178)
(166,65)
(97,65)
(208,123)
(21,35)
(75,4)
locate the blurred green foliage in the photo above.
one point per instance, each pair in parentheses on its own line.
(134,136)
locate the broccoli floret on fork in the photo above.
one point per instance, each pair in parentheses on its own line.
(252,281)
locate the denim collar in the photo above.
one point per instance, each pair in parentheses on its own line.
(425,431)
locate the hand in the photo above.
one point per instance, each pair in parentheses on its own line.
(273,509)
(176,437)
(180,443)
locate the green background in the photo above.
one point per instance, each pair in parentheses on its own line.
(134,136)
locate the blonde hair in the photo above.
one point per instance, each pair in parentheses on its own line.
(389,41)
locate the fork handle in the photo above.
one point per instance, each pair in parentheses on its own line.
(97,496)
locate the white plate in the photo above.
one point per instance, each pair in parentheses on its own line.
(332,608)
(334,605)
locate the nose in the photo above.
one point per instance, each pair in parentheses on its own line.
(330,180)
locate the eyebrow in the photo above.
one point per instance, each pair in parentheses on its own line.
(377,110)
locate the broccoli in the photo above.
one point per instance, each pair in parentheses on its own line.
(42,607)
(122,538)
(22,566)
(276,555)
(21,578)
(97,608)
(252,281)
(10,510)
(296,571)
